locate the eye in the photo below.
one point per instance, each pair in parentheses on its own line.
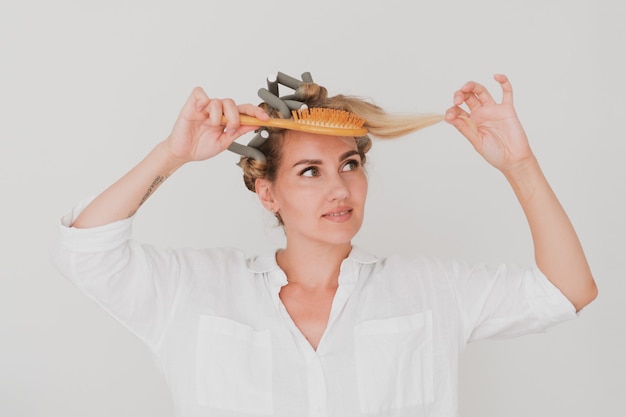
(310,172)
(351,165)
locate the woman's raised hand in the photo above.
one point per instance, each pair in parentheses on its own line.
(198,133)
(492,128)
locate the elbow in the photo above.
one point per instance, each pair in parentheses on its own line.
(586,296)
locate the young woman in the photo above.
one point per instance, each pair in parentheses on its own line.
(320,327)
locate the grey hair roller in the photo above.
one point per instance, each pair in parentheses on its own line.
(284,105)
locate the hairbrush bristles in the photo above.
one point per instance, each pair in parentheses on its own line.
(319,116)
(322,121)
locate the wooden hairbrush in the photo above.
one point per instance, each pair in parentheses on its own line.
(319,120)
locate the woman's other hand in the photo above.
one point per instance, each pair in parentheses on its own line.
(492,128)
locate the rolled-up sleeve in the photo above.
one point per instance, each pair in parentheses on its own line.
(135,283)
(507,301)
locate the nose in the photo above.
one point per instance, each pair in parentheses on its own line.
(338,188)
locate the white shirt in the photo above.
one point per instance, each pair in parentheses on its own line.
(227,346)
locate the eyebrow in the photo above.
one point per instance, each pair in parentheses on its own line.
(319,161)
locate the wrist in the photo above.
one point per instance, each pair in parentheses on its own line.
(522,168)
(527,180)
(168,161)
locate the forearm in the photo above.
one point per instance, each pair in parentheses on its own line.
(122,199)
(558,252)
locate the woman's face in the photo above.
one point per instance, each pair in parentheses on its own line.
(320,188)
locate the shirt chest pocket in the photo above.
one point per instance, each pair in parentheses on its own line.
(394,359)
(233,366)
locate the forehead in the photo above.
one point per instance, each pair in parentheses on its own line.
(299,145)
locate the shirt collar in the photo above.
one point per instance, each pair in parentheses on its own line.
(266,263)
(361,256)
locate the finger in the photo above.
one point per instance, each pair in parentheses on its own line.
(507,89)
(479,91)
(454,112)
(461,120)
(199,98)
(453,116)
(469,130)
(243,129)
(231,113)
(469,99)
(229,136)
(252,110)
(195,103)
(214,111)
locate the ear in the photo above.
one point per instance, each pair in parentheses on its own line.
(263,189)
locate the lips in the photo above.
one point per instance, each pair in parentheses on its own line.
(338,215)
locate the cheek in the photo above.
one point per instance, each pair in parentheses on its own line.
(297,199)
(360,186)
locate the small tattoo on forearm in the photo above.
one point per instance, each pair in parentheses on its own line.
(155,184)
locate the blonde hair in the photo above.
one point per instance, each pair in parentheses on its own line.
(379,123)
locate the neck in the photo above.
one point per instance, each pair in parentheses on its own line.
(311,265)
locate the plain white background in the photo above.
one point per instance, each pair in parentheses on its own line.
(88,88)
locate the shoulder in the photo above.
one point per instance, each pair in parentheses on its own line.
(220,256)
(406,269)
(418,263)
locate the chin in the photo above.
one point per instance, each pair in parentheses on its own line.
(341,238)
